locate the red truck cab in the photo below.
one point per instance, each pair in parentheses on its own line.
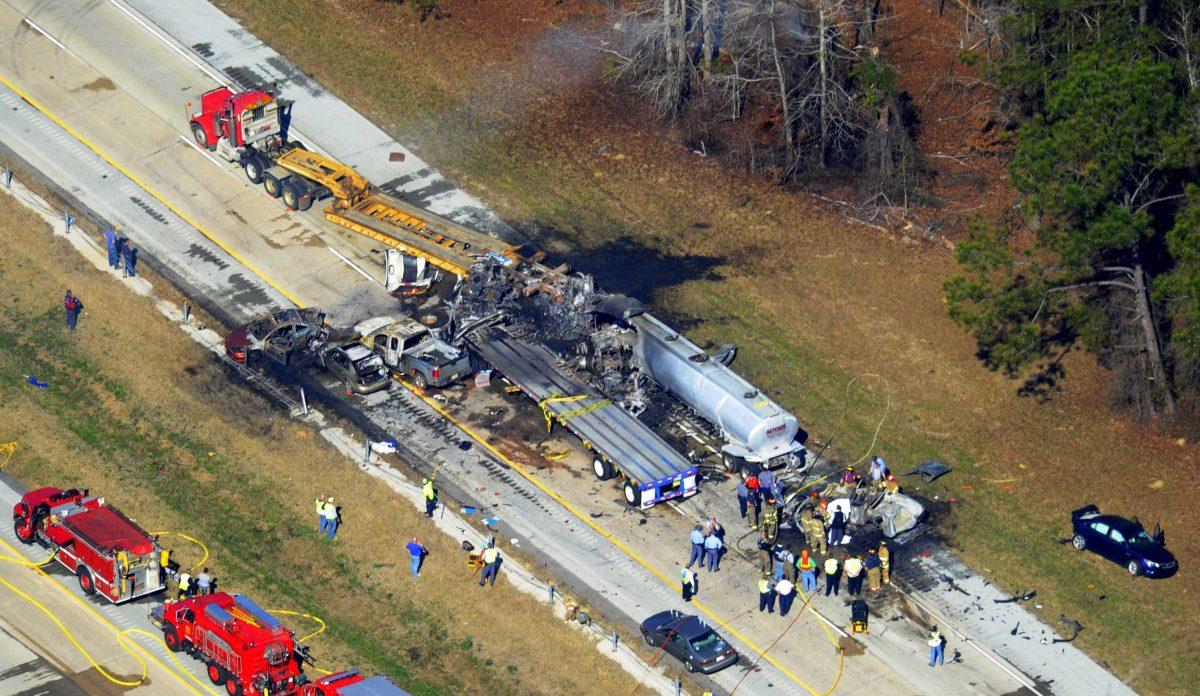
(108,552)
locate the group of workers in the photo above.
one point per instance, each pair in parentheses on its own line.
(122,256)
(180,583)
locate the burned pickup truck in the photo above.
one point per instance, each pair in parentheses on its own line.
(411,350)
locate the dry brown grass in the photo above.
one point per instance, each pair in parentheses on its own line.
(134,410)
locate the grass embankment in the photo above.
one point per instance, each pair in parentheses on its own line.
(507,101)
(138,412)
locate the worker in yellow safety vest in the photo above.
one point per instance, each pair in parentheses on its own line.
(766,595)
(430,494)
(184,585)
(321,524)
(331,517)
(491,559)
(833,576)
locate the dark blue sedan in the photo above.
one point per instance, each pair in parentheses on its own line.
(1123,542)
(689,639)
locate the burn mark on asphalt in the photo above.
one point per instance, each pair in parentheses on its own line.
(247,292)
(199,253)
(149,209)
(290,74)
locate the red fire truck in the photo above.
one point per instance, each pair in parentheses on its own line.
(248,650)
(108,552)
(242,646)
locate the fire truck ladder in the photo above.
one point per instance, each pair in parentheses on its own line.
(360,207)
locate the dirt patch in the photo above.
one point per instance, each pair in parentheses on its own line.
(100,84)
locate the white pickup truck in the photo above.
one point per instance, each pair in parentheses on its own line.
(410,350)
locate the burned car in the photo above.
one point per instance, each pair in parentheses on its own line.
(282,336)
(862,504)
(1123,542)
(361,370)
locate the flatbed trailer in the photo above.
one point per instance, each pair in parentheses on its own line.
(299,177)
(620,443)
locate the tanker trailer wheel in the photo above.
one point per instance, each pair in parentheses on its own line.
(603,469)
(216,673)
(633,495)
(733,463)
(24,532)
(171,638)
(232,687)
(748,469)
(85,581)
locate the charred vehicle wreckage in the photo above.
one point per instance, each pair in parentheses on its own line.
(652,406)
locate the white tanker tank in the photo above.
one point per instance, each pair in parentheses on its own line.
(755,428)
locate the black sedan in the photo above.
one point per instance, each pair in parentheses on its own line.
(689,639)
(1123,542)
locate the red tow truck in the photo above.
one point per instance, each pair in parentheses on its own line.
(248,650)
(109,553)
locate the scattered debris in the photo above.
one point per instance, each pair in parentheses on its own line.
(555,456)
(930,470)
(483,379)
(467,510)
(1013,632)
(1017,598)
(512,389)
(36,382)
(385,447)
(1075,626)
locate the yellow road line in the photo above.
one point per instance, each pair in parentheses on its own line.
(100,617)
(146,187)
(612,539)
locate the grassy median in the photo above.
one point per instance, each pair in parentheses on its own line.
(139,413)
(508,100)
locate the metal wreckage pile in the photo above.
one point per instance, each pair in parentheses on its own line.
(610,342)
(566,314)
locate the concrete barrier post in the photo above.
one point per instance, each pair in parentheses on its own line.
(304,403)
(8,177)
(550,589)
(614,640)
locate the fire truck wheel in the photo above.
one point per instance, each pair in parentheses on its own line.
(201,137)
(216,673)
(85,581)
(171,638)
(232,687)
(24,533)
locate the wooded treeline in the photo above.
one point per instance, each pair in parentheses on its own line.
(788,86)
(1104,95)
